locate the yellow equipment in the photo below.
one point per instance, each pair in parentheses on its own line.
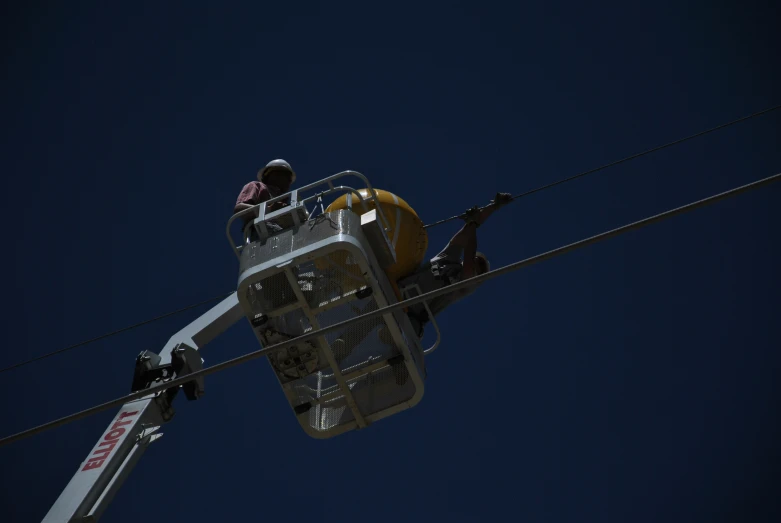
(405,230)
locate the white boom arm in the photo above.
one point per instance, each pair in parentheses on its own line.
(109,463)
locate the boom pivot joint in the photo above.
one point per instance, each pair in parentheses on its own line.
(149,372)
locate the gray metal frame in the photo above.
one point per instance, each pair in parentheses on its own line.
(357,244)
(111,460)
(406,295)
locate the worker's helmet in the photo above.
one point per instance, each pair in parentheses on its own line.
(276,165)
(484,262)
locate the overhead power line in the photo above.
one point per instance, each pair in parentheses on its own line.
(390,308)
(107,335)
(527,193)
(622,160)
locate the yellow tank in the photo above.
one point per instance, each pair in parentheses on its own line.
(406,232)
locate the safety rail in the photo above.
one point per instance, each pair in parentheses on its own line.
(296,203)
(406,295)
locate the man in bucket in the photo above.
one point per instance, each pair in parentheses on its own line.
(273,179)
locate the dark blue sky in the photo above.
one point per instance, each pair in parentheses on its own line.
(635,380)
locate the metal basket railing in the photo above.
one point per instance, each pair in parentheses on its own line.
(296,203)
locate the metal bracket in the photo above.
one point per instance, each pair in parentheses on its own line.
(185,360)
(149,371)
(407,294)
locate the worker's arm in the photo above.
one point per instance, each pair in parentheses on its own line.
(467,236)
(481,215)
(465,240)
(463,243)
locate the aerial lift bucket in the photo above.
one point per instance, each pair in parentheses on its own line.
(319,271)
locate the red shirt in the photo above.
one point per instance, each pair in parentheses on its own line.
(254,193)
